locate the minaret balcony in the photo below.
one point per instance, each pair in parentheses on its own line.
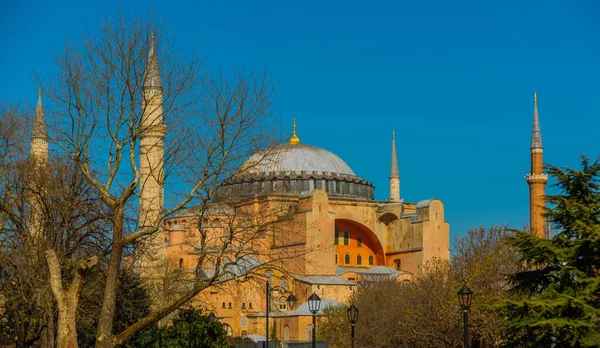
(536,177)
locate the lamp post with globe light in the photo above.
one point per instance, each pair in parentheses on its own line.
(291,300)
(465,296)
(352,318)
(314,304)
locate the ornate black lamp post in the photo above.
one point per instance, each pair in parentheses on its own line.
(352,318)
(3,276)
(465,296)
(291,300)
(314,304)
(212,317)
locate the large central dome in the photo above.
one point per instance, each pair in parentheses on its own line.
(295,168)
(295,158)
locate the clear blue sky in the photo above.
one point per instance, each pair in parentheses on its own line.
(455,81)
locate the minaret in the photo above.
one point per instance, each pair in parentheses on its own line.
(152,135)
(39,134)
(537,179)
(39,162)
(394,173)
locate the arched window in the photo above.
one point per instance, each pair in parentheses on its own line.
(228,329)
(308,332)
(359,242)
(283,283)
(286,333)
(347,259)
(359,260)
(181,263)
(337,258)
(244,322)
(283,303)
(371,260)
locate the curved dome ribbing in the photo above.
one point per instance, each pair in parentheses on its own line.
(293,169)
(295,158)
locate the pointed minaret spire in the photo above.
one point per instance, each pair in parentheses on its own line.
(152,78)
(38,130)
(537,179)
(394,173)
(536,134)
(294,139)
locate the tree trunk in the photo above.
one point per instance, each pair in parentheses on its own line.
(104,333)
(67,300)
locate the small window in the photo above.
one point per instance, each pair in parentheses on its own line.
(250,305)
(346,238)
(337,258)
(229,305)
(359,242)
(397,264)
(371,260)
(283,303)
(283,283)
(359,260)
(347,259)
(228,330)
(243,305)
(181,263)
(223,305)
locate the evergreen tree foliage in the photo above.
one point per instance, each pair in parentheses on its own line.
(558,284)
(133,303)
(191,328)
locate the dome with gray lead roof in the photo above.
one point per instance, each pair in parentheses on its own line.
(295,158)
(295,168)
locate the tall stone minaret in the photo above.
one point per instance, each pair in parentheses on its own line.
(394,173)
(537,179)
(151,144)
(39,162)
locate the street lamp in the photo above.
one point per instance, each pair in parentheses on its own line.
(352,318)
(291,300)
(465,296)
(3,276)
(212,317)
(314,304)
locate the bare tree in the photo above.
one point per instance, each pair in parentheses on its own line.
(425,312)
(102,111)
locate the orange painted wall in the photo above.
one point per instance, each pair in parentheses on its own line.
(370,245)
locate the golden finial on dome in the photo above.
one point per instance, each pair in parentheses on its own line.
(294,139)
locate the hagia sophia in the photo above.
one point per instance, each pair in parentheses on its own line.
(335,236)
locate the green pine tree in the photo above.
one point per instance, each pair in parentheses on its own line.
(558,287)
(192,329)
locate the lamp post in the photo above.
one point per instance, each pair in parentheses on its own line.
(352,318)
(3,276)
(465,296)
(314,304)
(291,300)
